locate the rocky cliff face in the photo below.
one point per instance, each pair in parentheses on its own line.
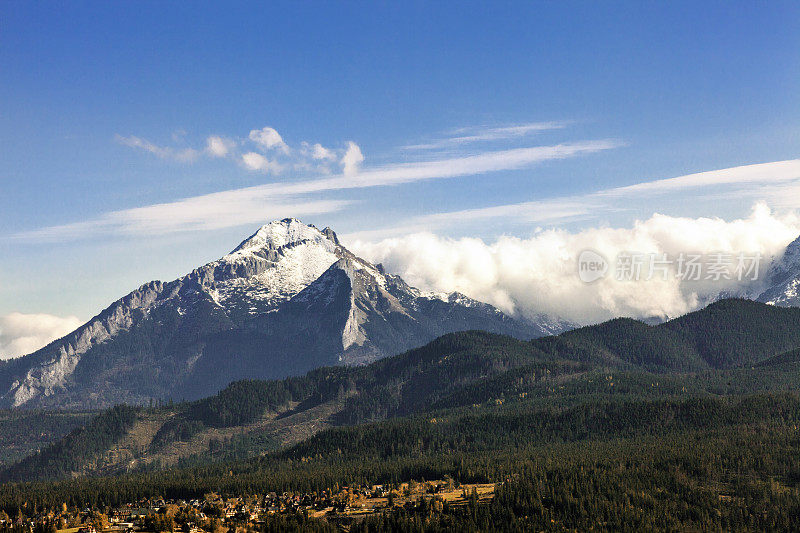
(287,299)
(783,278)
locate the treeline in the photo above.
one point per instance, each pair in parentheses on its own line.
(742,477)
(23,432)
(69,455)
(515,427)
(653,487)
(484,447)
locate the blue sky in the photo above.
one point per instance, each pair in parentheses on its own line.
(107,107)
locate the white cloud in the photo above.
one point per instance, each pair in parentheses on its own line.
(776,183)
(319,152)
(186,155)
(21,334)
(539,274)
(317,158)
(535,211)
(775,172)
(485,133)
(256,161)
(199,213)
(269,139)
(352,159)
(219,146)
(240,206)
(472,165)
(522,214)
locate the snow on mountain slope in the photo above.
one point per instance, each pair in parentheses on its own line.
(268,268)
(783,278)
(271,266)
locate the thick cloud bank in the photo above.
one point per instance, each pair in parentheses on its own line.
(540,274)
(22,334)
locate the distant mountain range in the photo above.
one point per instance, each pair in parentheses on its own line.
(288,299)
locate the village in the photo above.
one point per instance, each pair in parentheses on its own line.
(214,513)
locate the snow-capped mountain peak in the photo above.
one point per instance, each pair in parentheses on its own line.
(282,233)
(288,299)
(269,267)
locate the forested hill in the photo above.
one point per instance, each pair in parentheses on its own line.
(726,334)
(713,351)
(738,332)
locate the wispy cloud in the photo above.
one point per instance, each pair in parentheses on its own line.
(186,155)
(480,163)
(778,182)
(256,161)
(253,204)
(774,172)
(534,212)
(216,211)
(485,133)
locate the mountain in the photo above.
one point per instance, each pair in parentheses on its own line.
(726,334)
(783,278)
(732,346)
(287,299)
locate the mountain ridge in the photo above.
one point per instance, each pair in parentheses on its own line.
(152,342)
